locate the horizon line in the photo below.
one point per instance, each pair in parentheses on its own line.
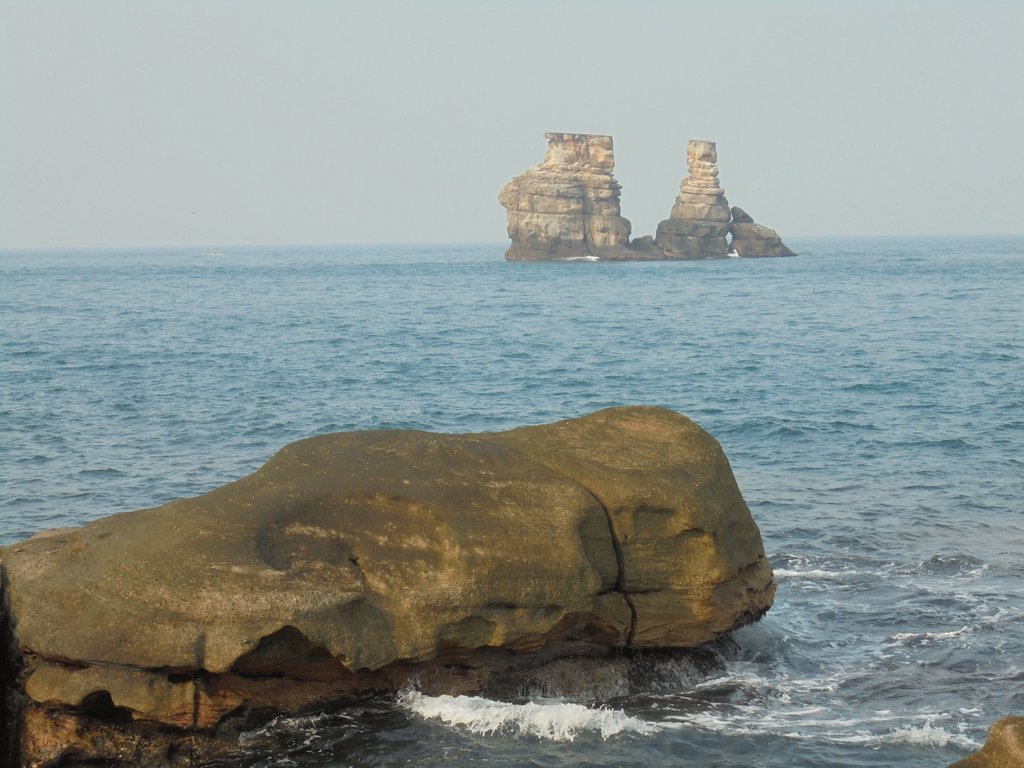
(443,243)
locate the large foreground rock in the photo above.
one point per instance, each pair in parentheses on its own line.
(568,206)
(1004,747)
(361,561)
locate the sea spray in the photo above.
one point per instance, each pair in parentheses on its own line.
(548,720)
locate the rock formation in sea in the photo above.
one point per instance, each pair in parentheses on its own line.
(699,221)
(360,561)
(1004,747)
(568,206)
(750,239)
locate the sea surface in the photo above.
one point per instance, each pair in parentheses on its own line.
(869,394)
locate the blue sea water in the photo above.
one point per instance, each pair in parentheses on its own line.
(869,394)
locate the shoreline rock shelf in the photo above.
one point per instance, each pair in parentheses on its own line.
(358,562)
(568,207)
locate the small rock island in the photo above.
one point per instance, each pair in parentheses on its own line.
(568,207)
(363,561)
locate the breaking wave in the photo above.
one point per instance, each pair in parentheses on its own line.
(926,637)
(550,721)
(809,724)
(928,735)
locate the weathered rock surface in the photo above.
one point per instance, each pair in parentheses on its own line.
(699,222)
(568,206)
(1004,747)
(750,239)
(359,561)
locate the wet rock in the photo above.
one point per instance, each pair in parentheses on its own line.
(358,562)
(1004,747)
(568,206)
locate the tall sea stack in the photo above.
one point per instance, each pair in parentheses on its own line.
(699,222)
(568,206)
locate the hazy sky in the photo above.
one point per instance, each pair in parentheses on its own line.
(217,122)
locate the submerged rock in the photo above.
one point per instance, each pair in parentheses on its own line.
(1004,747)
(361,561)
(699,222)
(750,239)
(568,206)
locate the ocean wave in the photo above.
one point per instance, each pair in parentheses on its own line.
(929,735)
(745,680)
(800,725)
(102,471)
(901,638)
(815,574)
(550,721)
(953,564)
(301,729)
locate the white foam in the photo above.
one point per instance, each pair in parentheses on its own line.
(814,575)
(928,735)
(801,725)
(739,676)
(926,637)
(552,721)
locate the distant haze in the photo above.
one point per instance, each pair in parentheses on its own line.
(169,123)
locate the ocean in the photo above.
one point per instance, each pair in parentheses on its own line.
(869,394)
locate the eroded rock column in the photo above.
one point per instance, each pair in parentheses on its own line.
(568,206)
(699,222)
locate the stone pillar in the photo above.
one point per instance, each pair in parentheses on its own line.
(699,222)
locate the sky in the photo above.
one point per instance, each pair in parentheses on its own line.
(140,122)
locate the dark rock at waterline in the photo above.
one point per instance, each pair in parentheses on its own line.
(754,240)
(645,247)
(360,561)
(1004,747)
